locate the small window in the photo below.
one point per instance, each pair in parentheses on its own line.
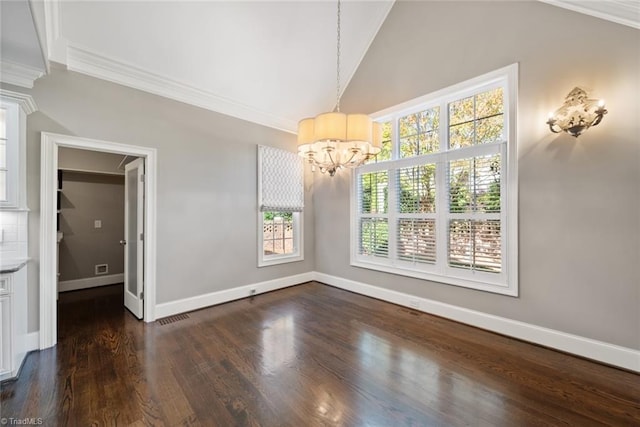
(280,206)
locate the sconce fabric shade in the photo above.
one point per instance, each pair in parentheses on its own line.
(280,180)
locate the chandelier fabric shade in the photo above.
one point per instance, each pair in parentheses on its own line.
(335,140)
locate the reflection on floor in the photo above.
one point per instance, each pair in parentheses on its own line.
(309,355)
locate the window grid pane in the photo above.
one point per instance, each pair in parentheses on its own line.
(3,123)
(3,186)
(374,237)
(477,119)
(419,133)
(475,245)
(277,229)
(3,154)
(374,192)
(417,240)
(474,185)
(417,189)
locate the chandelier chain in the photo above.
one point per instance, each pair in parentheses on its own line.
(338,63)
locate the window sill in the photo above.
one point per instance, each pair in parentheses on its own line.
(479,285)
(284,259)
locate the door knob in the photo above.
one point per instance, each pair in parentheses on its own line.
(123,242)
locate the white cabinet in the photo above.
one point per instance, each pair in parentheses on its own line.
(13,322)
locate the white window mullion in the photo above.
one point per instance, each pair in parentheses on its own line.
(442,195)
(504,219)
(395,137)
(442,208)
(392,214)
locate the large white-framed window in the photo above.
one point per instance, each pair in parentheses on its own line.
(280,206)
(441,203)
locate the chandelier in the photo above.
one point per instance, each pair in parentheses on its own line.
(335,140)
(578,113)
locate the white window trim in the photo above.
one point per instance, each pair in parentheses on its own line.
(298,243)
(14,146)
(506,282)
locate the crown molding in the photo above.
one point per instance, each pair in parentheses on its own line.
(25,101)
(52,30)
(18,74)
(82,60)
(618,11)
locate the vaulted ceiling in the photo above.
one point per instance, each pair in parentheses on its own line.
(269,62)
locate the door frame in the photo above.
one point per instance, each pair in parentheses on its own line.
(48,209)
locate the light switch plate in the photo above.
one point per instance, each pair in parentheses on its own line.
(97,223)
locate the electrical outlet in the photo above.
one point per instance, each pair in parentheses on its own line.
(414,303)
(97,223)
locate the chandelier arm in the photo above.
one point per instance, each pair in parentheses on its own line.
(333,162)
(353,154)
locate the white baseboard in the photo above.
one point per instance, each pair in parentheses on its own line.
(611,354)
(32,341)
(201,301)
(90,282)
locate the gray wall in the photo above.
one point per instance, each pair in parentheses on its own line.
(207,208)
(579,203)
(87,197)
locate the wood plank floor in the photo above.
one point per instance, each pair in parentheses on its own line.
(310,355)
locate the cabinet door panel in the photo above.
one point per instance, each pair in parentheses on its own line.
(5,335)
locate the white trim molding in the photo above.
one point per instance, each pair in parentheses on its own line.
(48,191)
(214,298)
(19,74)
(90,282)
(32,341)
(600,351)
(25,101)
(618,11)
(611,354)
(97,65)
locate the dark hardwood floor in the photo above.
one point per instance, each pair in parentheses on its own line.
(310,355)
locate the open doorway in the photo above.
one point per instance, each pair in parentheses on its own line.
(141,174)
(100,209)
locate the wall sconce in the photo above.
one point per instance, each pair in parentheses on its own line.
(577,114)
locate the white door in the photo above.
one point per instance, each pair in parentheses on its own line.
(133,237)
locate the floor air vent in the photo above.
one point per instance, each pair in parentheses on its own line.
(173,319)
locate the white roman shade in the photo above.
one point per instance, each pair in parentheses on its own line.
(280,180)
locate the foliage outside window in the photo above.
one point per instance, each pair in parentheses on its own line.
(438,202)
